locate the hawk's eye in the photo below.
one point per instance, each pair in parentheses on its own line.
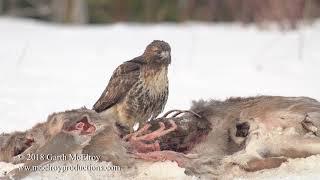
(157,51)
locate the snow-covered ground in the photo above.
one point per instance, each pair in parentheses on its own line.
(46,68)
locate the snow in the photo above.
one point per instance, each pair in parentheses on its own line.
(46,68)
(294,169)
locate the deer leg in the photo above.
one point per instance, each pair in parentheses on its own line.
(177,112)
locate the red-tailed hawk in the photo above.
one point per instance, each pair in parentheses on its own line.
(138,89)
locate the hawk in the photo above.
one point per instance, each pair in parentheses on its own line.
(138,89)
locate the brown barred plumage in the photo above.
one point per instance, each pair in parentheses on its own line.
(138,89)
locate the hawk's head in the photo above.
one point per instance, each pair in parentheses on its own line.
(158,52)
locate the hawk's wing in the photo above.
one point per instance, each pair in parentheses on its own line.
(122,80)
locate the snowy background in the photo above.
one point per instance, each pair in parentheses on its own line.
(46,68)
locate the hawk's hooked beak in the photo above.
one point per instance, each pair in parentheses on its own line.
(165,54)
